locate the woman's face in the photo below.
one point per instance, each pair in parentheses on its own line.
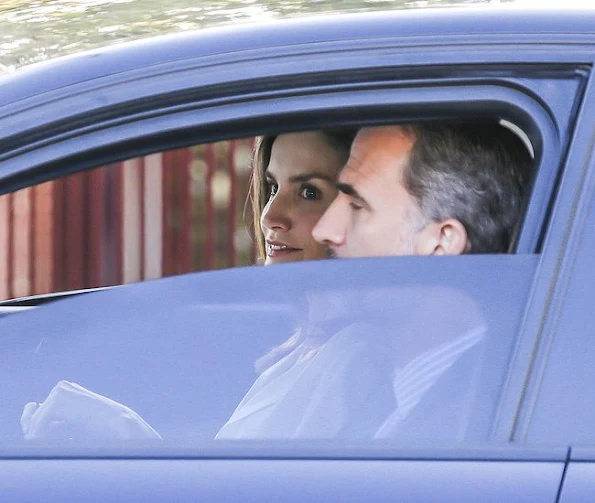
(301,179)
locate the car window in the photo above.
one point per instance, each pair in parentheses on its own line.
(409,350)
(167,213)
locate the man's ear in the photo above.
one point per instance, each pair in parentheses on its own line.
(448,237)
(452,238)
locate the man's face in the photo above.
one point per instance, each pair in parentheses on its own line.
(373,214)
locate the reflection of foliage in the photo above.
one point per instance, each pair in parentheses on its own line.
(38,29)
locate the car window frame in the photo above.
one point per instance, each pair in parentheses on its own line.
(515,99)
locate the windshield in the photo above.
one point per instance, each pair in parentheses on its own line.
(408,349)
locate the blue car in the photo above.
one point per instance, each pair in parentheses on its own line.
(180,359)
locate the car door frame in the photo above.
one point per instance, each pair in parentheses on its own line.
(59,151)
(560,248)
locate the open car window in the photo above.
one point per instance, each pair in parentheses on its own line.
(166,213)
(406,349)
(170,212)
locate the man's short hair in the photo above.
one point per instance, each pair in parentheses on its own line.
(477,173)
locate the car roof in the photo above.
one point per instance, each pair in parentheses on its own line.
(401,25)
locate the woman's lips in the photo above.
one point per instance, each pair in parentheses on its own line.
(279,249)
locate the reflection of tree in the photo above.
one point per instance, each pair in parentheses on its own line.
(38,29)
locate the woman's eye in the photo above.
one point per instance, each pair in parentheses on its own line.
(355,206)
(272,189)
(310,192)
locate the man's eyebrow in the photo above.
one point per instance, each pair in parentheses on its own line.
(348,189)
(309,176)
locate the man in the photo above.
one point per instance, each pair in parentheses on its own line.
(428,189)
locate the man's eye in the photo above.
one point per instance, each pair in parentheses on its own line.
(310,192)
(355,206)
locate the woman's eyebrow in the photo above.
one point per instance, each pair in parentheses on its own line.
(309,176)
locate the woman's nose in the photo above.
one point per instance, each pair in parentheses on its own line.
(276,213)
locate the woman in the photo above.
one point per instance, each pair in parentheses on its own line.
(293,183)
(303,386)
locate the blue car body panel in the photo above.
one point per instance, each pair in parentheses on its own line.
(532,67)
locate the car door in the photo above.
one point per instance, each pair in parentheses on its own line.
(135,110)
(559,405)
(181,352)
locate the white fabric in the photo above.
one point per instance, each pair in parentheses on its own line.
(71,411)
(339,388)
(413,381)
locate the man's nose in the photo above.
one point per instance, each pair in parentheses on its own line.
(330,229)
(276,214)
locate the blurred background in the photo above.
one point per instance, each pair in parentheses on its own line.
(168,213)
(39,29)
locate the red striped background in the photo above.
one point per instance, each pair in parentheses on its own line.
(164,214)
